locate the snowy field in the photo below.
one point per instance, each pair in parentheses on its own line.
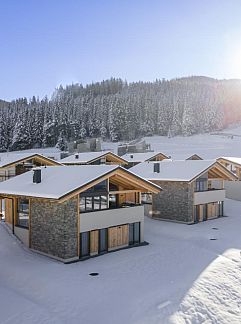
(206,145)
(180,277)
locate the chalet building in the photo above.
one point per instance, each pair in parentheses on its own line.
(94,158)
(136,158)
(233,164)
(193,191)
(233,188)
(72,213)
(13,164)
(181,156)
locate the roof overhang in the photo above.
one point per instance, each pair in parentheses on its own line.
(32,156)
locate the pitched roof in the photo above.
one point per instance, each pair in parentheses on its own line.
(184,156)
(184,170)
(58,182)
(141,157)
(7,159)
(231,159)
(87,157)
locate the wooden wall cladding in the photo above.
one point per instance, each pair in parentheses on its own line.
(94,242)
(118,236)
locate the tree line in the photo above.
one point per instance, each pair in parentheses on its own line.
(116,110)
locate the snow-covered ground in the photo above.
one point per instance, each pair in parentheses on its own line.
(180,277)
(206,145)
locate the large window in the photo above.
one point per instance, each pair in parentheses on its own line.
(92,203)
(23,213)
(95,198)
(201,185)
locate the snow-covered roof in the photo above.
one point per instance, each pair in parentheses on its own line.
(56,181)
(140,157)
(87,157)
(60,181)
(11,158)
(185,170)
(183,156)
(231,159)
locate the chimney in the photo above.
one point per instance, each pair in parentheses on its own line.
(156,167)
(37,175)
(76,156)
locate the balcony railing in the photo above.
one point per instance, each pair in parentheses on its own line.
(208,196)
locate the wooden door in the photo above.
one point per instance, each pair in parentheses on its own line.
(118,236)
(125,235)
(8,210)
(112,237)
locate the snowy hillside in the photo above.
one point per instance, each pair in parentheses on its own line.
(182,276)
(206,145)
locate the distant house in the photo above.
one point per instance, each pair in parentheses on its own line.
(72,213)
(136,158)
(184,156)
(13,164)
(233,164)
(193,191)
(94,158)
(233,188)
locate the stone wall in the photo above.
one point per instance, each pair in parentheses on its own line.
(54,228)
(175,202)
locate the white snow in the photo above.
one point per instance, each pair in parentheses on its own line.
(85,157)
(139,157)
(56,181)
(9,158)
(184,170)
(180,277)
(205,145)
(232,159)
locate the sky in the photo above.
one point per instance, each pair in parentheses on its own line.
(45,43)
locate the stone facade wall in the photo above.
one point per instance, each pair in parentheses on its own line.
(175,202)
(54,228)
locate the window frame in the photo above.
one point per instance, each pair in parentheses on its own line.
(21,211)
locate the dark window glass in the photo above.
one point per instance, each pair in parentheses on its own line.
(104,202)
(99,187)
(103,240)
(85,244)
(92,203)
(88,203)
(23,212)
(131,234)
(82,204)
(113,201)
(96,202)
(201,185)
(136,233)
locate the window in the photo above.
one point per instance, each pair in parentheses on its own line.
(103,240)
(146,198)
(134,233)
(220,208)
(113,201)
(99,187)
(201,185)
(85,244)
(92,203)
(23,212)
